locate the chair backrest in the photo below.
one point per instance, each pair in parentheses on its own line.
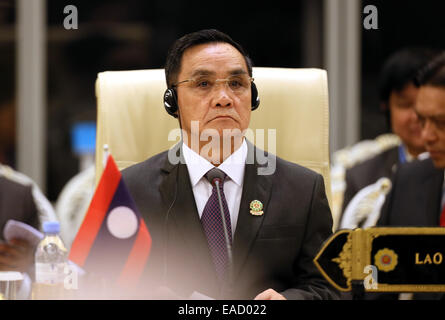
(132,121)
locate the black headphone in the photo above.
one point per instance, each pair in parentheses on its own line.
(171,100)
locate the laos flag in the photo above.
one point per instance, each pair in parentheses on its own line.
(113,240)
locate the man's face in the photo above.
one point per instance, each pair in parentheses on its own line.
(430,107)
(404,122)
(219,108)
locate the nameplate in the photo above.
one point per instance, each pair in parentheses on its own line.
(385,259)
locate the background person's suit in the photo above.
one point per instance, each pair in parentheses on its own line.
(415,197)
(273,250)
(368,172)
(415,201)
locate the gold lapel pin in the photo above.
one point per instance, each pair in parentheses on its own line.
(256,208)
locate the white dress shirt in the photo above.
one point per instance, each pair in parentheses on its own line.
(233,167)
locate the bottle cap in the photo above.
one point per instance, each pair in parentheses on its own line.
(51,227)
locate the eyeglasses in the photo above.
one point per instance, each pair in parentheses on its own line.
(437,122)
(203,85)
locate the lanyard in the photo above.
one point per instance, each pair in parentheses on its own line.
(402,155)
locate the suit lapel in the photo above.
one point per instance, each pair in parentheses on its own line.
(184,218)
(255,187)
(391,162)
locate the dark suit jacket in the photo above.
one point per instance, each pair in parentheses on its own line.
(275,250)
(16,202)
(414,201)
(363,174)
(415,196)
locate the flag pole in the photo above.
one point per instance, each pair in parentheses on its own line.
(106,153)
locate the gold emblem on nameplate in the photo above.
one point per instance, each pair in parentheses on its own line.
(385,260)
(256,208)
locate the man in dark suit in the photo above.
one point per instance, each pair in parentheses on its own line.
(21,200)
(417,195)
(397,97)
(416,198)
(277,220)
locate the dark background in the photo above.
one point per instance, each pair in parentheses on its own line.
(135,34)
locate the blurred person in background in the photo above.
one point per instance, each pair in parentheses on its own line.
(20,198)
(398,96)
(417,197)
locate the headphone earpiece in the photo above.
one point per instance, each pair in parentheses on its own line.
(255,97)
(171,102)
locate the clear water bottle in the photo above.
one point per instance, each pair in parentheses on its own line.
(51,258)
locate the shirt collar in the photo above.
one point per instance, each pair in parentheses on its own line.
(405,155)
(233,166)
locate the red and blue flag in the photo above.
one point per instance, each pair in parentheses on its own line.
(113,240)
